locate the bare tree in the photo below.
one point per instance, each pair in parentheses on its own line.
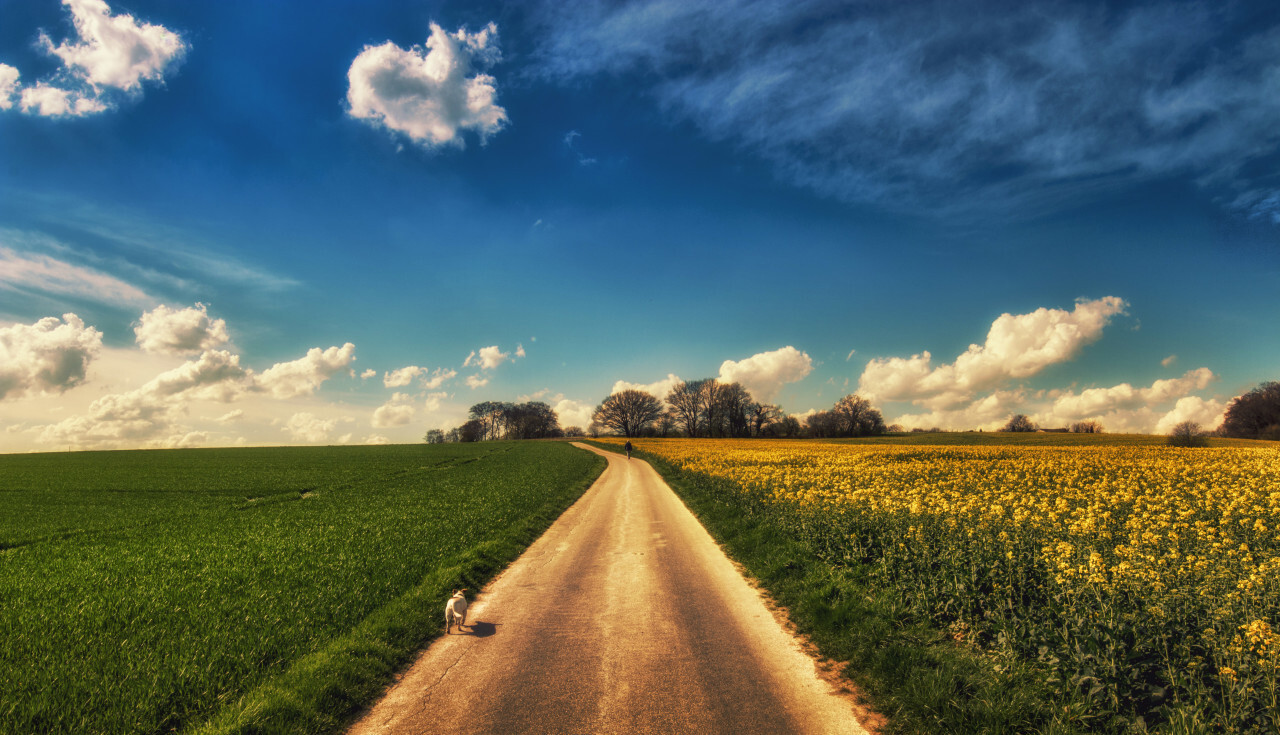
(434,436)
(1019,422)
(855,416)
(690,401)
(1086,427)
(1187,434)
(628,411)
(731,405)
(762,416)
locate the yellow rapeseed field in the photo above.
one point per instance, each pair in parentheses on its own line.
(1148,577)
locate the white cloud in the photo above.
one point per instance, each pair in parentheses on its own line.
(180,331)
(111,53)
(519,350)
(1169,360)
(476,381)
(304,376)
(1208,413)
(434,401)
(230,416)
(573,413)
(402,377)
(139,416)
(764,374)
(115,51)
(309,428)
(368,374)
(431,95)
(438,378)
(8,85)
(24,271)
(658,389)
(488,358)
(376,439)
(49,356)
(396,412)
(1016,347)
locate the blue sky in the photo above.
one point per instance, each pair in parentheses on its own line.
(238,223)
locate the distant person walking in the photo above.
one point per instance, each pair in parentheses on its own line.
(628,448)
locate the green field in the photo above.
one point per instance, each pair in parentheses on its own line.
(247,590)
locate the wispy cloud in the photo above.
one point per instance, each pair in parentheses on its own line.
(44,273)
(916,106)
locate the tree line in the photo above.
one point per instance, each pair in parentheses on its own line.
(491,420)
(710,408)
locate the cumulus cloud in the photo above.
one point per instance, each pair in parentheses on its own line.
(658,389)
(396,412)
(574,413)
(33,272)
(1208,413)
(308,428)
(931,108)
(402,377)
(476,381)
(1169,360)
(110,54)
(368,374)
(764,374)
(180,331)
(49,356)
(488,358)
(305,375)
(1017,346)
(1094,402)
(8,85)
(152,410)
(438,378)
(430,94)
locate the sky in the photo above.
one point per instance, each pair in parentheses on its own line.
(244,223)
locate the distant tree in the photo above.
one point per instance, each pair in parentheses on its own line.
(454,435)
(532,420)
(666,423)
(764,415)
(473,430)
(1019,422)
(691,402)
(855,416)
(1256,414)
(731,406)
(574,432)
(1187,434)
(894,429)
(628,411)
(492,417)
(822,424)
(434,436)
(1086,427)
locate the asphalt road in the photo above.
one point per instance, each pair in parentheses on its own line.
(625,617)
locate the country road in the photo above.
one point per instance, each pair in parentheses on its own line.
(625,617)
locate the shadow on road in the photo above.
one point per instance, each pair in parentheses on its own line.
(481,629)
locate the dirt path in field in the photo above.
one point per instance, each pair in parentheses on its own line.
(625,617)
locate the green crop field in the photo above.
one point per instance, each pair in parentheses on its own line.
(247,590)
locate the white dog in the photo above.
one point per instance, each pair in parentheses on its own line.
(455,611)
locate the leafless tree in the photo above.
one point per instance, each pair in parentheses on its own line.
(628,411)
(1019,422)
(690,401)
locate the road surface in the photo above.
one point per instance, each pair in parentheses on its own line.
(625,617)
